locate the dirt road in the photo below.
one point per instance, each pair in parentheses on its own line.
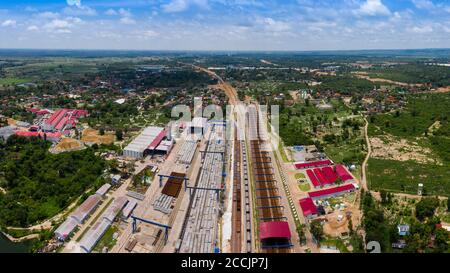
(364,165)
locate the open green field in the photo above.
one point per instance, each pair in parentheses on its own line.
(12,81)
(107,239)
(404,177)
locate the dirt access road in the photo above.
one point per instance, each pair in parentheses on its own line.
(369,152)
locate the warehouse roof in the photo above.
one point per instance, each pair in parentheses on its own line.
(278,229)
(103,189)
(140,143)
(94,234)
(308,206)
(86,207)
(335,190)
(113,210)
(66,228)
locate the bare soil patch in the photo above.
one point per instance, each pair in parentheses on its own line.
(401,150)
(93,136)
(68,145)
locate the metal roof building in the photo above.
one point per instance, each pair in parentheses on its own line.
(278,229)
(91,238)
(6,132)
(103,189)
(308,207)
(66,228)
(113,210)
(141,143)
(126,212)
(86,208)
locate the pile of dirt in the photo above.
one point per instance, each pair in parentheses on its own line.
(68,145)
(90,135)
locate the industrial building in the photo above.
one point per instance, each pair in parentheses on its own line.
(103,189)
(309,208)
(333,192)
(97,231)
(63,119)
(66,229)
(150,141)
(86,208)
(6,132)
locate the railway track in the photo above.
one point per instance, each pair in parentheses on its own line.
(236,220)
(268,203)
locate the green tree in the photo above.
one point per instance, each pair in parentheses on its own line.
(317,230)
(119,134)
(426,208)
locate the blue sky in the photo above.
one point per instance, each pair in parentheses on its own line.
(225,24)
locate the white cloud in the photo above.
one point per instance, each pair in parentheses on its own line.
(422,29)
(62,25)
(127,21)
(33,28)
(111,12)
(9,23)
(48,14)
(80,11)
(74,3)
(147,34)
(372,8)
(424,4)
(125,13)
(182,5)
(272,25)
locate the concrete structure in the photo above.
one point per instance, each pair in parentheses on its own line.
(198,126)
(201,223)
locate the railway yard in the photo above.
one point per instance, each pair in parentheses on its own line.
(219,188)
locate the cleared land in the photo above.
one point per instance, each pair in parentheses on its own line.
(92,135)
(68,145)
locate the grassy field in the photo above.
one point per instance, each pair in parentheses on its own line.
(12,81)
(107,239)
(299,175)
(403,177)
(304,187)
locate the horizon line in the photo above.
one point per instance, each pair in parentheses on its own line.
(224,50)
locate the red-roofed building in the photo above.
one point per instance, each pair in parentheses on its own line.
(50,136)
(313,179)
(321,177)
(332,192)
(278,229)
(157,140)
(313,164)
(343,173)
(329,174)
(308,207)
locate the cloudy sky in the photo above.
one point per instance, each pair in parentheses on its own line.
(225,24)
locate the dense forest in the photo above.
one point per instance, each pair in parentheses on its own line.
(39,184)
